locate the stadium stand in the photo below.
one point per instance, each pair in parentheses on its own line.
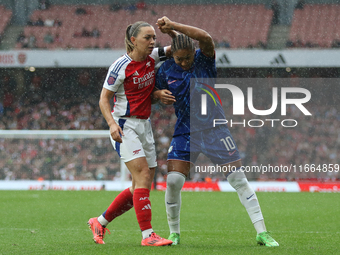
(316,26)
(240,25)
(37,105)
(314,140)
(5,17)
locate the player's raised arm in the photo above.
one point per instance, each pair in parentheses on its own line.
(171,33)
(206,43)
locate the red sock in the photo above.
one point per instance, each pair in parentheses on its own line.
(143,208)
(122,203)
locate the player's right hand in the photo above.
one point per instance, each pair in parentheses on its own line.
(116,133)
(166,97)
(165,25)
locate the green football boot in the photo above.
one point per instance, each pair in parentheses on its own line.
(174,237)
(265,239)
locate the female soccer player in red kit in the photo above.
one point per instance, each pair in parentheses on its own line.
(131,80)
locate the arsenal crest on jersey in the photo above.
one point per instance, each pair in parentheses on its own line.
(112,78)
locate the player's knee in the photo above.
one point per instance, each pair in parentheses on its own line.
(143,177)
(171,183)
(175,180)
(238,180)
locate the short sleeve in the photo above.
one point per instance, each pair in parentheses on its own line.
(161,78)
(204,58)
(158,54)
(114,77)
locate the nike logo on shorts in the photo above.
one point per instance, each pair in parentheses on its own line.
(231,153)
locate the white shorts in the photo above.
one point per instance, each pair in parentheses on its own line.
(137,142)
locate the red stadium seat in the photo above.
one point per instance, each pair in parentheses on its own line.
(315,24)
(242,25)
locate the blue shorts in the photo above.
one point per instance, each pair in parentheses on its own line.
(216,143)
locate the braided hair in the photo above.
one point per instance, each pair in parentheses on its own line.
(181,42)
(133,30)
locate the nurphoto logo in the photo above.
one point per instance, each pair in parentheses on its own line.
(238,100)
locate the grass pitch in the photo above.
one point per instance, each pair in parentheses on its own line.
(54,222)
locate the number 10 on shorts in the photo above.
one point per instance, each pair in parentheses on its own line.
(228,143)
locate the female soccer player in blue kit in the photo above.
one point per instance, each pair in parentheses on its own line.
(193,134)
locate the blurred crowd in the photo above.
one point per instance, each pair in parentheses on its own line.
(56,100)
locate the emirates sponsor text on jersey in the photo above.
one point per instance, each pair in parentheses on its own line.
(145,81)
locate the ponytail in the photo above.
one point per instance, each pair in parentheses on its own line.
(128,44)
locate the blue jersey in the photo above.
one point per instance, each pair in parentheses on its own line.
(188,88)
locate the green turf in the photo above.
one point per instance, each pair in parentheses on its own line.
(54,222)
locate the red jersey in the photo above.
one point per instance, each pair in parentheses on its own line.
(133,83)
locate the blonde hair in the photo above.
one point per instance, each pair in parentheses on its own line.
(133,30)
